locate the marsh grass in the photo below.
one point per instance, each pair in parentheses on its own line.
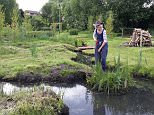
(33,50)
(36,102)
(114,81)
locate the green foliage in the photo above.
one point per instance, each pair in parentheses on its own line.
(6,32)
(14,18)
(39,34)
(139,65)
(115,81)
(55,27)
(73,32)
(8,6)
(132,13)
(2,19)
(140,68)
(7,50)
(64,38)
(109,23)
(90,23)
(37,23)
(50,11)
(11,31)
(27,24)
(21,17)
(33,50)
(76,13)
(37,103)
(17,55)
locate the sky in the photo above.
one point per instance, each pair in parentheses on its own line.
(34,5)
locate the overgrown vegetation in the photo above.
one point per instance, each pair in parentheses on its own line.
(73,32)
(115,81)
(34,102)
(109,25)
(79,14)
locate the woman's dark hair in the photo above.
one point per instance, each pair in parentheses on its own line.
(98,23)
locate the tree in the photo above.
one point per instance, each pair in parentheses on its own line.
(27,24)
(8,6)
(90,23)
(109,23)
(47,12)
(21,17)
(130,13)
(15,18)
(2,18)
(50,12)
(37,22)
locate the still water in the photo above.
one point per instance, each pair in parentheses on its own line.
(82,101)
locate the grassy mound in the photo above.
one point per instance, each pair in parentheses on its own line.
(35,102)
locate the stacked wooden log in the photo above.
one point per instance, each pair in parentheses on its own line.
(140,38)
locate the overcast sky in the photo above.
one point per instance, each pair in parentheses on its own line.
(34,5)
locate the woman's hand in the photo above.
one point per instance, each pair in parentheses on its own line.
(101,46)
(99,50)
(95,39)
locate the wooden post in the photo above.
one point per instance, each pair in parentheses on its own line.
(122,34)
(141,38)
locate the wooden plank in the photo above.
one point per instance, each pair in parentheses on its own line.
(86,48)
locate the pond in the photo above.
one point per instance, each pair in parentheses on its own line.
(82,101)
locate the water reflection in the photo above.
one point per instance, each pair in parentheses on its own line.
(124,105)
(81,101)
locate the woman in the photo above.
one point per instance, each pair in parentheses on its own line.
(101,48)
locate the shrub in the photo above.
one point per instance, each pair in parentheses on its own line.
(90,23)
(73,32)
(109,24)
(2,18)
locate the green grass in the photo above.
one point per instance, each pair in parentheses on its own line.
(130,53)
(36,102)
(115,81)
(40,55)
(34,55)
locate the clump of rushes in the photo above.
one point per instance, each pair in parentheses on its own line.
(37,103)
(115,81)
(33,50)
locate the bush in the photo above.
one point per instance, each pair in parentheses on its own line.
(9,33)
(74,32)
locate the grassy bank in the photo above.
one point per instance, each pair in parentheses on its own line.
(35,55)
(39,55)
(132,54)
(36,102)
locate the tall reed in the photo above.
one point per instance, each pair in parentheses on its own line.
(111,81)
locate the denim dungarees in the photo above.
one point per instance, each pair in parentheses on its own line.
(101,56)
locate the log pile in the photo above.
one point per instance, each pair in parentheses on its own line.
(140,38)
